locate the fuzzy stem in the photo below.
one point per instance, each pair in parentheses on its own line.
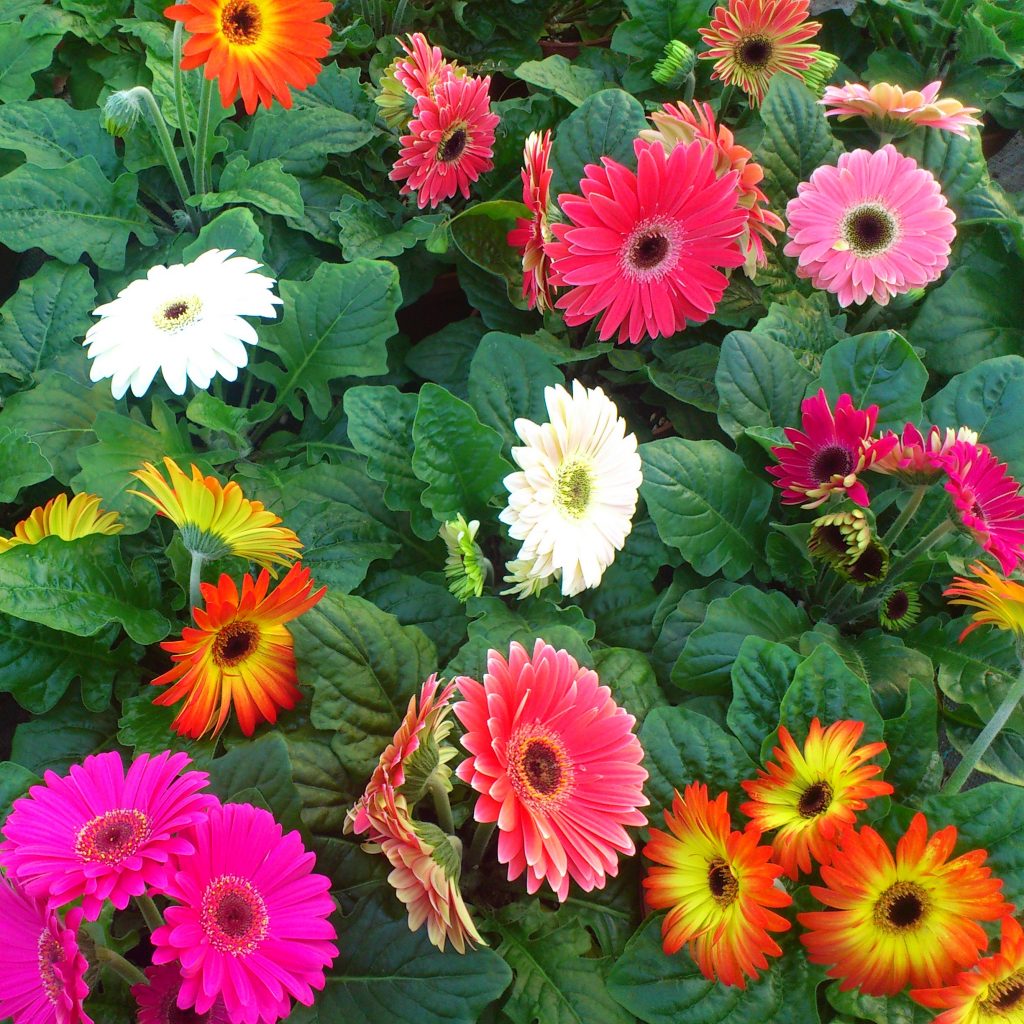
(117,963)
(203,138)
(179,98)
(900,523)
(940,531)
(481,837)
(163,138)
(441,805)
(195,577)
(150,914)
(688,86)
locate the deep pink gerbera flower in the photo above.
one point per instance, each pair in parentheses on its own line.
(251,922)
(642,249)
(158,1001)
(42,980)
(450,141)
(530,234)
(99,834)
(987,500)
(556,764)
(425,69)
(918,459)
(876,225)
(833,447)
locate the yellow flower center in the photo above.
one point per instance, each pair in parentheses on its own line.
(539,767)
(901,908)
(235,642)
(1005,997)
(815,800)
(178,313)
(241,22)
(112,836)
(453,142)
(722,882)
(754,51)
(573,488)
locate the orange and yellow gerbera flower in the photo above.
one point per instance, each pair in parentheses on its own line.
(999,602)
(718,884)
(912,920)
(239,652)
(811,796)
(68,520)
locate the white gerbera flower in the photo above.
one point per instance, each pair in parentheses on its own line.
(572,505)
(185,321)
(524,583)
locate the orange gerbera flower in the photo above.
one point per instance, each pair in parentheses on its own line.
(255,47)
(912,920)
(239,652)
(718,884)
(999,602)
(68,520)
(811,797)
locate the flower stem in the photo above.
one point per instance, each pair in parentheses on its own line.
(689,84)
(940,531)
(179,98)
(481,837)
(203,138)
(150,914)
(441,805)
(900,523)
(119,965)
(195,577)
(870,315)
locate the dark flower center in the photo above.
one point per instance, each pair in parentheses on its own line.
(242,22)
(722,882)
(755,51)
(112,836)
(172,1014)
(831,537)
(815,800)
(869,566)
(235,641)
(176,310)
(901,907)
(832,460)
(1005,995)
(869,230)
(649,250)
(233,915)
(178,313)
(452,147)
(897,604)
(50,953)
(541,766)
(977,511)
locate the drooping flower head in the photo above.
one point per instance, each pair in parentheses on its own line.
(523,580)
(99,833)
(839,537)
(828,454)
(868,567)
(158,1000)
(530,235)
(69,520)
(572,502)
(999,602)
(184,320)
(899,608)
(811,796)
(466,567)
(894,112)
(918,459)
(642,251)
(557,766)
(874,226)
(256,48)
(717,885)
(752,40)
(912,920)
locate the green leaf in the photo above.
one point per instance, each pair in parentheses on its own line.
(261,766)
(367,229)
(685,373)
(265,186)
(564,79)
(51,133)
(206,410)
(956,160)
(305,137)
(20,57)
(62,737)
(805,327)
(145,728)
(24,464)
(879,1009)
(913,740)
(481,234)
(631,679)
(761,675)
(654,22)
(233,229)
(15,780)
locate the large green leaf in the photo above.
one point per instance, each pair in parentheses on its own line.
(23,463)
(653,22)
(51,133)
(761,675)
(233,229)
(556,73)
(261,770)
(21,56)
(62,737)
(956,160)
(303,138)
(913,740)
(15,780)
(264,185)
(628,674)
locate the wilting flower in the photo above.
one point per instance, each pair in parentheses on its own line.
(525,582)
(69,520)
(249,924)
(158,1000)
(999,602)
(184,320)
(465,568)
(917,459)
(868,567)
(875,226)
(911,920)
(556,764)
(752,40)
(642,250)
(573,501)
(811,796)
(256,48)
(718,885)
(838,537)
(101,834)
(530,235)
(891,110)
(899,608)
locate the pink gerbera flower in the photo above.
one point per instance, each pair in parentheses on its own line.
(556,764)
(987,500)
(875,226)
(642,249)
(833,447)
(531,234)
(450,141)
(158,1000)
(99,834)
(917,459)
(896,112)
(425,69)
(43,977)
(251,922)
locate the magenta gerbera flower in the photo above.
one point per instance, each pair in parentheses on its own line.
(250,925)
(450,141)
(158,1000)
(99,834)
(917,459)
(833,447)
(556,764)
(531,234)
(642,249)
(42,980)
(876,225)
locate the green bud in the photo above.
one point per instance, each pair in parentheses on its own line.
(677,63)
(121,113)
(817,76)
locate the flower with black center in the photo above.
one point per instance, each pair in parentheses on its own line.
(867,567)
(81,516)
(838,537)
(899,608)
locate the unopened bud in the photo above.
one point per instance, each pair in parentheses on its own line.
(121,112)
(677,63)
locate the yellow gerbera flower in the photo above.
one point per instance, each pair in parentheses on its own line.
(999,602)
(68,520)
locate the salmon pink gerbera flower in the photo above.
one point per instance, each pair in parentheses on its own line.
(556,764)
(158,1000)
(896,112)
(918,459)
(531,234)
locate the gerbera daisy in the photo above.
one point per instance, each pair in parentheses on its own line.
(216,519)
(917,459)
(530,235)
(987,500)
(833,447)
(556,764)
(999,602)
(911,920)
(868,567)
(250,922)
(101,834)
(466,567)
(525,582)
(811,796)
(817,74)
(158,1000)
(572,504)
(450,141)
(894,112)
(69,520)
(256,48)
(838,537)
(874,226)
(899,608)
(641,250)
(718,885)
(43,970)
(423,68)
(239,653)
(752,40)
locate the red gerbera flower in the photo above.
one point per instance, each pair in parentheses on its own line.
(531,234)
(425,69)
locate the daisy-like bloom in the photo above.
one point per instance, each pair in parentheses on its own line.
(557,766)
(249,925)
(894,112)
(572,504)
(158,1000)
(899,608)
(718,885)
(450,141)
(184,320)
(423,68)
(752,40)
(216,519)
(875,226)
(256,48)
(833,447)
(239,653)
(811,796)
(524,580)
(44,971)
(465,568)
(530,235)
(987,500)
(641,250)
(999,602)
(838,537)
(69,520)
(99,833)
(912,920)
(916,458)
(868,567)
